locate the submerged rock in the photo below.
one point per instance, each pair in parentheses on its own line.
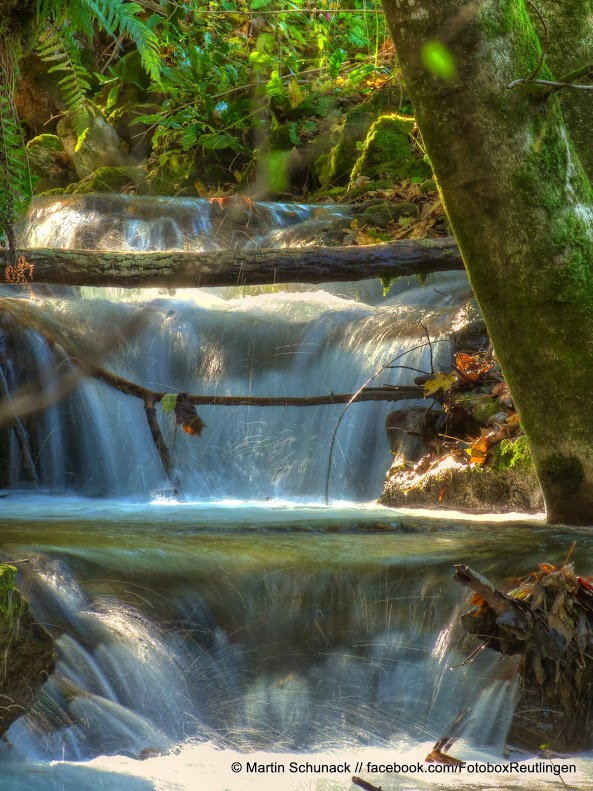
(26,652)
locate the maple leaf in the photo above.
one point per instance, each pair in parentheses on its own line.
(440,381)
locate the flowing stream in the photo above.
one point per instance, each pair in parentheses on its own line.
(251,623)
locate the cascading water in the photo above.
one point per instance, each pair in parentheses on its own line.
(275,344)
(201,634)
(267,633)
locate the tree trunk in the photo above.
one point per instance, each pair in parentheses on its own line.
(236,267)
(522,211)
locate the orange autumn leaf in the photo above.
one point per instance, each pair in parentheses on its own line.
(473,366)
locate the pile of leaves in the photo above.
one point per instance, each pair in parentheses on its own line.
(429,221)
(547,620)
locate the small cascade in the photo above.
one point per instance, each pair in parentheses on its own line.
(252,663)
(217,342)
(132,222)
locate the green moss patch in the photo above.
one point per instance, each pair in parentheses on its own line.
(389,151)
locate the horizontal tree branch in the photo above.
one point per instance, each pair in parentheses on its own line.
(386,393)
(182,269)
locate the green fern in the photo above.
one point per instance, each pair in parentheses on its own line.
(62,20)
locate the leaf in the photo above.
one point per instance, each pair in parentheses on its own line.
(559,619)
(473,366)
(336,60)
(257,4)
(187,417)
(294,138)
(218,141)
(438,59)
(440,381)
(477,452)
(169,402)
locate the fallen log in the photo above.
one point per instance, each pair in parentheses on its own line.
(182,269)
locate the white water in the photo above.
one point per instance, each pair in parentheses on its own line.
(199,636)
(271,344)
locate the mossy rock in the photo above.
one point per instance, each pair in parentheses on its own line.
(380,215)
(472,488)
(390,152)
(26,650)
(334,169)
(110,179)
(101,146)
(49,163)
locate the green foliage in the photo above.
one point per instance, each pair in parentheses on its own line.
(169,402)
(231,78)
(65,24)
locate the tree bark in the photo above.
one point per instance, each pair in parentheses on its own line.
(521,209)
(239,268)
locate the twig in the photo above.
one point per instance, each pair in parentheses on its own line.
(551,83)
(574,543)
(354,398)
(358,781)
(472,656)
(425,328)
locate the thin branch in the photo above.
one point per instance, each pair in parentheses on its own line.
(424,327)
(551,83)
(355,397)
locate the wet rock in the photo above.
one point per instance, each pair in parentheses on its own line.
(26,650)
(466,488)
(405,434)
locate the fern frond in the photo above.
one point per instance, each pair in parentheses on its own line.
(61,49)
(118,18)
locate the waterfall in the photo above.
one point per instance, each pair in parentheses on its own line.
(218,341)
(311,659)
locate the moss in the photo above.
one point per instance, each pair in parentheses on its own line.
(389,151)
(562,474)
(472,488)
(108,179)
(428,185)
(512,454)
(7,582)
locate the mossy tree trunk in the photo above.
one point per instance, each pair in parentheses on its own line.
(522,210)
